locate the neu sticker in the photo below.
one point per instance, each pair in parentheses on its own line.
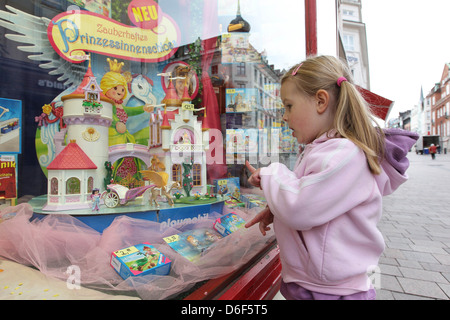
(144,14)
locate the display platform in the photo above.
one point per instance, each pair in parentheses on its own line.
(166,215)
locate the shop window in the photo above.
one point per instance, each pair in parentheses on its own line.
(54,186)
(197,174)
(73,186)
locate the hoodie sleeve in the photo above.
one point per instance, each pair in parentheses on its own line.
(333,179)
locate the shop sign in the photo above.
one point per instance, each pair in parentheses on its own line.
(74,33)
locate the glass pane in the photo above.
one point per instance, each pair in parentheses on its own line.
(73,186)
(216,63)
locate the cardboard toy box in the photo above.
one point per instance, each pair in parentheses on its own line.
(228,224)
(228,187)
(193,244)
(253,200)
(138,260)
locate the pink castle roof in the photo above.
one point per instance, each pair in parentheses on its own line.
(71,158)
(80,92)
(86,79)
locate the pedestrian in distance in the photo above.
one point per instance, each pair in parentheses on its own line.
(433,150)
(325,212)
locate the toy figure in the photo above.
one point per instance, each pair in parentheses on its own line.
(192,241)
(95,196)
(157,165)
(114,85)
(160,180)
(209,237)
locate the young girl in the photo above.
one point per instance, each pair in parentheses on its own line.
(325,212)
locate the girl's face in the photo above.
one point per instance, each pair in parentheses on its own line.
(179,86)
(116,93)
(300,113)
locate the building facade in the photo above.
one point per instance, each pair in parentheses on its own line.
(352,31)
(438,101)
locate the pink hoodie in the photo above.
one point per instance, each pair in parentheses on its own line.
(326,213)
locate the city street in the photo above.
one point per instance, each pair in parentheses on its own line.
(416,228)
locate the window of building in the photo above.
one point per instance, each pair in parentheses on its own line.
(350,13)
(349,42)
(73,186)
(176,173)
(54,186)
(241,69)
(197,174)
(90,185)
(215,69)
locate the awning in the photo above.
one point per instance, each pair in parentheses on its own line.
(380,106)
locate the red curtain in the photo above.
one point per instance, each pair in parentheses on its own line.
(210,31)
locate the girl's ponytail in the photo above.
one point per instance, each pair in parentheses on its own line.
(354,121)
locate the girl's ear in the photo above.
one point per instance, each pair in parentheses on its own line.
(322,99)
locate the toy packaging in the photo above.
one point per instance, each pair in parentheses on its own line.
(138,260)
(228,224)
(193,244)
(234,203)
(253,200)
(228,187)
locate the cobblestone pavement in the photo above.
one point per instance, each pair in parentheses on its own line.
(416,228)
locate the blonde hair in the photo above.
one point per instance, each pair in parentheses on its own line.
(353,119)
(114,78)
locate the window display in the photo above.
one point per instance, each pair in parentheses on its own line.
(136,51)
(143,109)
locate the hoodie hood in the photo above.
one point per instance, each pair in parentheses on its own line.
(398,143)
(395,163)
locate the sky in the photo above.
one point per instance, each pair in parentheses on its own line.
(408,41)
(408,45)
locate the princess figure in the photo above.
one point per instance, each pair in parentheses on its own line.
(114,85)
(95,196)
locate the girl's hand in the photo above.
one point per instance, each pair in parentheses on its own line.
(255,178)
(265,218)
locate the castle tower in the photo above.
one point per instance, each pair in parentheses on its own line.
(88,115)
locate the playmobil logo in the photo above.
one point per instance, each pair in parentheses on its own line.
(180,222)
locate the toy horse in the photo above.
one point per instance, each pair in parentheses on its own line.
(159,179)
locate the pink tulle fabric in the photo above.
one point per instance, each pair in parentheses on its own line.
(59,241)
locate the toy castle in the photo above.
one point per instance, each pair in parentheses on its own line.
(177,143)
